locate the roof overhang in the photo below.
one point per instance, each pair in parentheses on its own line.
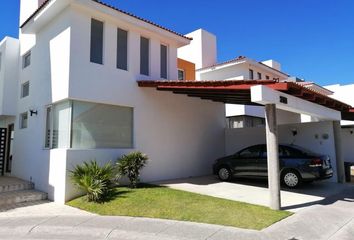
(265,95)
(239,92)
(44,14)
(50,8)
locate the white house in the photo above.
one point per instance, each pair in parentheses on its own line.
(73,92)
(72,96)
(243,121)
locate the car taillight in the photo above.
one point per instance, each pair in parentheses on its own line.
(316,162)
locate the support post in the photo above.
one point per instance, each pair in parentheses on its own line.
(273,156)
(339,156)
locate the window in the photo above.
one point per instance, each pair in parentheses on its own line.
(25,90)
(251,74)
(251,152)
(180,74)
(144,56)
(48,127)
(96,54)
(24,120)
(244,122)
(122,49)
(0,60)
(259,75)
(26,59)
(163,58)
(267,77)
(84,125)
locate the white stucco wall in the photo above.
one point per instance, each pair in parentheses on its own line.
(181,135)
(309,136)
(348,143)
(9,49)
(202,51)
(343,93)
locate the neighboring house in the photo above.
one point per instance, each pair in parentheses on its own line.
(71,95)
(344,93)
(202,51)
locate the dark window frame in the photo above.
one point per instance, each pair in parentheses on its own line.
(184,74)
(144,56)
(97,41)
(122,49)
(163,61)
(26,59)
(251,74)
(23,88)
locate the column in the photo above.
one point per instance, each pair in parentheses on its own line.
(339,156)
(273,156)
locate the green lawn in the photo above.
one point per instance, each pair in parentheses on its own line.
(161,202)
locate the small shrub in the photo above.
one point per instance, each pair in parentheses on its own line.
(130,165)
(94,180)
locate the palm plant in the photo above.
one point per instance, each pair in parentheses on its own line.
(130,165)
(94,180)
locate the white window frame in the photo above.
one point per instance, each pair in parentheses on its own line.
(21,120)
(22,87)
(27,54)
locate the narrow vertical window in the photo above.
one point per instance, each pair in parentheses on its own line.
(163,57)
(267,77)
(0,60)
(96,54)
(25,90)
(144,56)
(26,60)
(259,75)
(122,49)
(24,120)
(251,74)
(180,74)
(48,128)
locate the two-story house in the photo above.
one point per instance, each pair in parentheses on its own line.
(74,96)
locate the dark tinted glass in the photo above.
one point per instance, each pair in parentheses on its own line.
(251,74)
(122,49)
(144,56)
(180,75)
(163,61)
(96,55)
(251,152)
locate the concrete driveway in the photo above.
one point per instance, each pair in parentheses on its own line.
(256,191)
(332,220)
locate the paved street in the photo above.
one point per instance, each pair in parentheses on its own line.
(331,219)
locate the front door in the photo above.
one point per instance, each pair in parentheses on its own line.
(10,139)
(3,133)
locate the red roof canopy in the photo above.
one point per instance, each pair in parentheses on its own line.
(238,92)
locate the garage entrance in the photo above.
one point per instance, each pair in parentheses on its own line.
(272,94)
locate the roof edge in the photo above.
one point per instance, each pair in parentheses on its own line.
(44,4)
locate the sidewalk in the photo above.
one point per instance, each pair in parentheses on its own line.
(332,220)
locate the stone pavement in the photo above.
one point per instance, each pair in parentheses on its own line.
(333,219)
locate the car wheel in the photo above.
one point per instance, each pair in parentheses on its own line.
(291,179)
(224,174)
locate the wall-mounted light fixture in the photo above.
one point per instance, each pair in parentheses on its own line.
(33,112)
(351,131)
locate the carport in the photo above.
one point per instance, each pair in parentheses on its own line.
(273,94)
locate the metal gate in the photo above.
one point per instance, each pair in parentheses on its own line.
(3,133)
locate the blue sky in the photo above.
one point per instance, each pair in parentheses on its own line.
(313,39)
